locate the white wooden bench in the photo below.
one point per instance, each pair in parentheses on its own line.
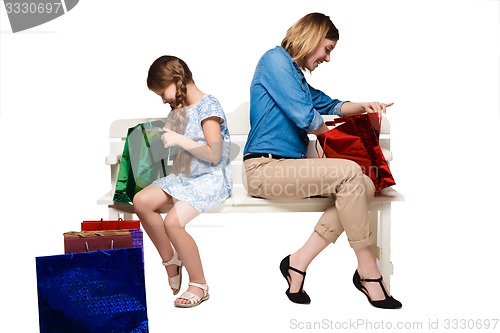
(240,201)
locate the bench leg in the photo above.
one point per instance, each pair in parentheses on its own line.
(113,214)
(116,214)
(374,218)
(128,216)
(381,248)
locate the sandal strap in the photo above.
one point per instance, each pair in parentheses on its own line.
(190,297)
(173,261)
(194,299)
(175,282)
(202,286)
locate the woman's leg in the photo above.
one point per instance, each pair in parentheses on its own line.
(185,245)
(146,204)
(352,191)
(368,269)
(304,256)
(279,179)
(331,225)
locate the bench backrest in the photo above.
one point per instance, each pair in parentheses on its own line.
(239,127)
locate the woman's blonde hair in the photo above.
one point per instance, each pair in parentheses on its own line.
(306,34)
(163,72)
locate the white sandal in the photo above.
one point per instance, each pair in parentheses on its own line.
(176,281)
(193,299)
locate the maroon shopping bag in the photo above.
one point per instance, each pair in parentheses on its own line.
(88,241)
(356,138)
(133,226)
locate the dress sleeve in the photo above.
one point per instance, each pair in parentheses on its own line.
(212,108)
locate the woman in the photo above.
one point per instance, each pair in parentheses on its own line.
(284,108)
(202,177)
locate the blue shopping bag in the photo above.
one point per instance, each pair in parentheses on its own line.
(92,292)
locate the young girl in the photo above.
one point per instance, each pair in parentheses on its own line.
(202,181)
(284,108)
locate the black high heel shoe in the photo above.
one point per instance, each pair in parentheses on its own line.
(388,303)
(300,297)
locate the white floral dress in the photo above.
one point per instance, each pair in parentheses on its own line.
(209,185)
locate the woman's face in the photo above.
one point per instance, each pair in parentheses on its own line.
(168,95)
(320,54)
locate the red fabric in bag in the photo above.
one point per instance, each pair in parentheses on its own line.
(356,138)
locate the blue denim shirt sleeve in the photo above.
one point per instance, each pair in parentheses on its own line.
(315,123)
(287,86)
(324,104)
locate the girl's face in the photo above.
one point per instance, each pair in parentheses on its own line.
(168,95)
(320,54)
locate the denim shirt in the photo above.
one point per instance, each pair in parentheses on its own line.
(284,107)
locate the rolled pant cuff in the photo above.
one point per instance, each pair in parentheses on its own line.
(361,243)
(326,233)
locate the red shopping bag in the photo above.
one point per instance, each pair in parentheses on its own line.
(110,225)
(356,138)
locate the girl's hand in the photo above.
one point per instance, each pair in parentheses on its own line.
(376,107)
(170,138)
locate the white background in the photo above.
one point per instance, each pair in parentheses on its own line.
(64,82)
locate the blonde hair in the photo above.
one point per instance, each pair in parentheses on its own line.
(163,72)
(306,34)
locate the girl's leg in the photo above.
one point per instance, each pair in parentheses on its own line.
(185,245)
(146,204)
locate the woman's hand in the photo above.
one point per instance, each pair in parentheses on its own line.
(376,107)
(170,138)
(351,108)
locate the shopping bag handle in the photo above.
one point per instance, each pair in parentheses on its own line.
(316,146)
(336,121)
(112,245)
(344,119)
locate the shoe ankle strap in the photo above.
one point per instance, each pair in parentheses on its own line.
(372,280)
(173,261)
(202,286)
(379,280)
(296,270)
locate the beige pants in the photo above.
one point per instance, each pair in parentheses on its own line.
(341,179)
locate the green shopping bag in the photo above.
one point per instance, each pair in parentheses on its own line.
(144,159)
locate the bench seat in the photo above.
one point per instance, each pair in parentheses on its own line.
(241,202)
